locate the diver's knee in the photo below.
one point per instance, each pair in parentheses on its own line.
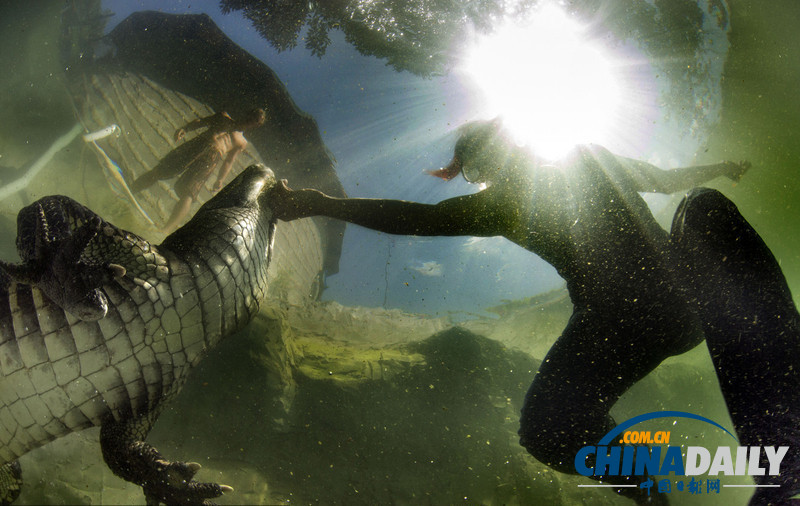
(549,454)
(699,209)
(547,444)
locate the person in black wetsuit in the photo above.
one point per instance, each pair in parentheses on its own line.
(583,215)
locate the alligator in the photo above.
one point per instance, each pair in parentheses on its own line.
(98,327)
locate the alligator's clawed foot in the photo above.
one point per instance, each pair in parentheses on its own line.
(174,484)
(163,481)
(10,482)
(82,294)
(74,283)
(54,236)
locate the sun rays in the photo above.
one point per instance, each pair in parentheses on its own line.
(552,83)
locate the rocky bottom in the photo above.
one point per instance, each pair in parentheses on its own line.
(335,405)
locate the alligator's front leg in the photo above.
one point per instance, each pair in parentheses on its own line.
(10,482)
(131,458)
(53,235)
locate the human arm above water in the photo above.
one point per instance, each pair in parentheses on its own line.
(474,215)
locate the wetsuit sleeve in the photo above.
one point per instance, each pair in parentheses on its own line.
(466,215)
(650,178)
(647,177)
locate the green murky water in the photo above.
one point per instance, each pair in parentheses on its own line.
(349,400)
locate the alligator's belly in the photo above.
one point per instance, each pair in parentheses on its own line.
(59,374)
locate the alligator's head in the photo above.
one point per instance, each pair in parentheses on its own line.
(244,201)
(246,190)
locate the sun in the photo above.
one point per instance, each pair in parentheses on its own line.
(551,84)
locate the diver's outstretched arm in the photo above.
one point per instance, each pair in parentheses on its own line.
(466,215)
(650,178)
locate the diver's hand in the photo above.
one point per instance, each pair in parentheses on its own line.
(288,204)
(737,170)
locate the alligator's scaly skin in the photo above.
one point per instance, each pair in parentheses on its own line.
(60,374)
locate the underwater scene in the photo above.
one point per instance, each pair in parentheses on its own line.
(495,252)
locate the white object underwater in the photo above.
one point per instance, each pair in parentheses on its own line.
(111,170)
(101,134)
(23,181)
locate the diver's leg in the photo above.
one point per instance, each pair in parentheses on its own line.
(582,376)
(752,328)
(146,180)
(172,164)
(178,214)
